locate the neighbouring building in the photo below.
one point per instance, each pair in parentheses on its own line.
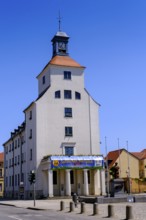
(59,138)
(132,166)
(1,174)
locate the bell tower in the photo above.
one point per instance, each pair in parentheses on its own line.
(60,44)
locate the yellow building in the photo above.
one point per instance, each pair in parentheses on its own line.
(128,165)
(1,174)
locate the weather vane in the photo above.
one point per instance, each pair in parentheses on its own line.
(59,21)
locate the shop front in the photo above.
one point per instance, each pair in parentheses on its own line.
(64,175)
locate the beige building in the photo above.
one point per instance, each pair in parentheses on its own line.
(132,166)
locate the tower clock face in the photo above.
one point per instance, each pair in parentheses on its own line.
(62,45)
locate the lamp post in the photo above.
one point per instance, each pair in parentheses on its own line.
(128,170)
(107,168)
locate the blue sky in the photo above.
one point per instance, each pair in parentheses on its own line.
(106,36)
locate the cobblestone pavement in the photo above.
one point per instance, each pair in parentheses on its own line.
(119,209)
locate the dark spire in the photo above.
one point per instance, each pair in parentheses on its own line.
(59,22)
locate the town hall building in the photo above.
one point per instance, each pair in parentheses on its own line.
(59,138)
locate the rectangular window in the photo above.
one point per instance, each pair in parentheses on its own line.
(30,115)
(18,179)
(67,94)
(57,95)
(1,173)
(30,134)
(68,112)
(77,95)
(43,80)
(15,144)
(67,75)
(15,180)
(68,131)
(30,154)
(69,151)
(12,145)
(9,180)
(54,177)
(15,160)
(18,159)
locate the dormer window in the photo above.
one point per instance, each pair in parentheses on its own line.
(67,75)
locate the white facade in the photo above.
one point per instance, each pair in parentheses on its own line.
(64,119)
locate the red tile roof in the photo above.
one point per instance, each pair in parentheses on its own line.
(113,156)
(140,155)
(1,157)
(64,61)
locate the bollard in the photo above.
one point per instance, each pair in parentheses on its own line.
(129,213)
(95,209)
(72,207)
(83,208)
(111,211)
(62,205)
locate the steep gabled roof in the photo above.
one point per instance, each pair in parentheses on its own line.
(113,156)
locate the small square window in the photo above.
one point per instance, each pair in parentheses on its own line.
(68,131)
(67,75)
(68,112)
(67,94)
(69,151)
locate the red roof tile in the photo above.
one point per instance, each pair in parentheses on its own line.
(140,155)
(64,61)
(1,157)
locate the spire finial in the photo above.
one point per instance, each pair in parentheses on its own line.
(59,21)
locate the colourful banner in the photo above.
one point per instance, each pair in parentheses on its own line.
(76,162)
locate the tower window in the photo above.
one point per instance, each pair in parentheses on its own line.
(67,94)
(67,75)
(57,94)
(68,112)
(43,80)
(69,151)
(68,131)
(77,95)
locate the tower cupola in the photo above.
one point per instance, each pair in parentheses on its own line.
(60,44)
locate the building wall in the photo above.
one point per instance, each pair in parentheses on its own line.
(133,164)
